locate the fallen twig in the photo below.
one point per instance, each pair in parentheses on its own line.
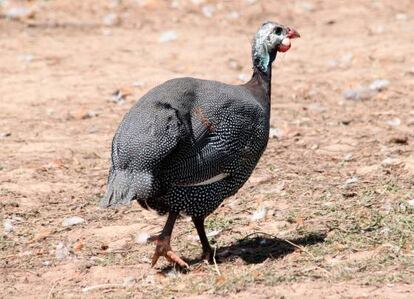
(215,262)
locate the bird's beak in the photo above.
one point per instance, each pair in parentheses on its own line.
(292,33)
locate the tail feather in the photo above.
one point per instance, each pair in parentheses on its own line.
(125,186)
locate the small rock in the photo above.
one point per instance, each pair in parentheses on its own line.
(138,84)
(208,10)
(61,251)
(46,263)
(129,281)
(346,60)
(234,64)
(348,157)
(259,214)
(411,202)
(197,2)
(149,4)
(359,94)
(142,238)
(213,233)
(4,135)
(395,122)
(401,17)
(8,225)
(111,19)
(377,29)
(379,85)
(89,114)
(388,162)
(25,58)
(167,36)
(351,182)
(315,107)
(233,15)
(175,4)
(19,13)
(275,133)
(73,220)
(306,6)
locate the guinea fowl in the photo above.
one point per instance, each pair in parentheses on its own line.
(188,143)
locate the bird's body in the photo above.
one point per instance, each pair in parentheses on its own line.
(188,143)
(197,143)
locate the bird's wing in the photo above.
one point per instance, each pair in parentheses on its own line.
(204,157)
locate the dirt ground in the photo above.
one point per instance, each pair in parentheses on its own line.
(329,211)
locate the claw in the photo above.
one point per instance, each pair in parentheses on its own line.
(164,249)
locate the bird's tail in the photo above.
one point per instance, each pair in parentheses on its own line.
(125,186)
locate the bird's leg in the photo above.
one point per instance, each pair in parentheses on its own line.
(163,244)
(207,250)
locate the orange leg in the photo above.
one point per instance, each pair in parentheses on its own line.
(163,244)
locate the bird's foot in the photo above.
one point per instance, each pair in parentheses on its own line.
(210,255)
(164,249)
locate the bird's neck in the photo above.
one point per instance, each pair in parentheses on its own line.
(260,85)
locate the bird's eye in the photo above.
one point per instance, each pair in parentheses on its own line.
(278,30)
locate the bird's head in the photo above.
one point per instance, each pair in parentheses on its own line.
(268,40)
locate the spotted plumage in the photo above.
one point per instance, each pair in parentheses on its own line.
(188,143)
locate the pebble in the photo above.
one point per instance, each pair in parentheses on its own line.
(379,85)
(358,94)
(129,281)
(61,251)
(348,157)
(395,122)
(208,11)
(4,135)
(90,114)
(142,238)
(8,225)
(73,220)
(233,15)
(234,64)
(351,182)
(213,233)
(168,36)
(19,12)
(259,214)
(401,17)
(388,162)
(25,57)
(275,133)
(411,202)
(111,19)
(315,107)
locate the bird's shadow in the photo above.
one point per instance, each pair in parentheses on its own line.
(258,247)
